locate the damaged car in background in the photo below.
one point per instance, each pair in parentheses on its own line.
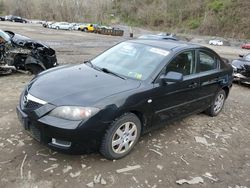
(241,69)
(20,53)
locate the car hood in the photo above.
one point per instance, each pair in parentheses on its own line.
(238,63)
(25,42)
(77,85)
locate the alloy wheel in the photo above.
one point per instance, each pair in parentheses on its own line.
(124,137)
(218,104)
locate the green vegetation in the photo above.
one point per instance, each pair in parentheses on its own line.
(228,18)
(1,7)
(194,24)
(216,5)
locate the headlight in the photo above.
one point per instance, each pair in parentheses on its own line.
(74,113)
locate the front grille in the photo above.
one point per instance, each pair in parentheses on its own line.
(32,105)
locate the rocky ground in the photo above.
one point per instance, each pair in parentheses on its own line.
(198,151)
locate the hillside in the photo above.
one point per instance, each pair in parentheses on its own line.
(228,18)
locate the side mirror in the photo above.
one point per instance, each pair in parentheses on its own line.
(172,77)
(241,56)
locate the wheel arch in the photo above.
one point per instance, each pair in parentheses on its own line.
(226,89)
(142,118)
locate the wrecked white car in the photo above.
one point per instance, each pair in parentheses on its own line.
(20,53)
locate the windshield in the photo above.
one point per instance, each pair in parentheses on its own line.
(137,61)
(247,57)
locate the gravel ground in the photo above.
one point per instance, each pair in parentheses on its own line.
(209,152)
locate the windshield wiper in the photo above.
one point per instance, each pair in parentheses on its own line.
(92,65)
(110,72)
(89,62)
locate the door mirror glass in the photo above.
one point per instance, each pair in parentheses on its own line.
(172,77)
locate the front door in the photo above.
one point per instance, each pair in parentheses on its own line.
(174,100)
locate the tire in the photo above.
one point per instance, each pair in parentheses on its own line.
(121,137)
(34,69)
(217,105)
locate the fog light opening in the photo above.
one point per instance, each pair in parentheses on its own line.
(61,143)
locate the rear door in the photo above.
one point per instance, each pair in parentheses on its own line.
(175,100)
(210,75)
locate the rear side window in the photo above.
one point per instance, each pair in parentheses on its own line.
(207,61)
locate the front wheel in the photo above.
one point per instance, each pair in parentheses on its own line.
(217,104)
(121,137)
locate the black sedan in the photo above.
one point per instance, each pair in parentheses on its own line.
(128,90)
(18,19)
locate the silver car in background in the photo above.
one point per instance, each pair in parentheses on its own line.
(62,25)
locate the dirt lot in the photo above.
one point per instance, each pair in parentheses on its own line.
(164,156)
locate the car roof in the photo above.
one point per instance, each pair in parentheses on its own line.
(169,45)
(157,37)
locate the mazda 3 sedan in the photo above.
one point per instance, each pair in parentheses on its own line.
(107,103)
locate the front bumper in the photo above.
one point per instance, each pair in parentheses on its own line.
(84,137)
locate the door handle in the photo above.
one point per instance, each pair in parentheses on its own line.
(193,85)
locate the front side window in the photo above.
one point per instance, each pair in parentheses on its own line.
(207,61)
(183,63)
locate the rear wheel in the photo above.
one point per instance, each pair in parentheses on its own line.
(121,137)
(217,104)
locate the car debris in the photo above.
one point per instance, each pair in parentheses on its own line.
(20,53)
(157,152)
(241,68)
(210,176)
(160,167)
(21,168)
(68,168)
(91,184)
(74,175)
(193,181)
(98,179)
(182,158)
(128,168)
(52,167)
(201,140)
(103,181)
